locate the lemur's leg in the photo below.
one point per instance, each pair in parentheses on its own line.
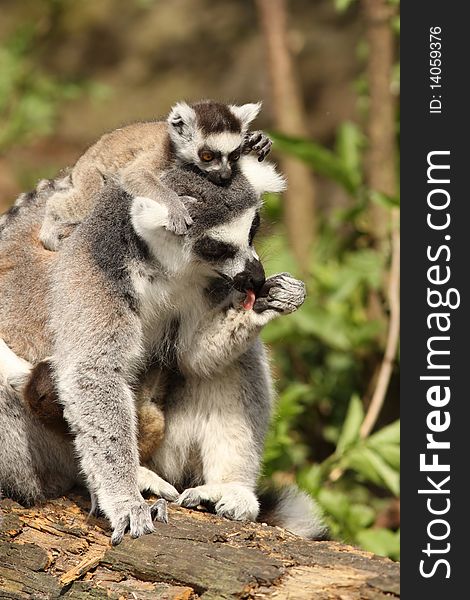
(140,178)
(98,346)
(229,449)
(223,336)
(35,463)
(232,437)
(68,207)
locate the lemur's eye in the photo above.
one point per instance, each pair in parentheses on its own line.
(206,155)
(235,155)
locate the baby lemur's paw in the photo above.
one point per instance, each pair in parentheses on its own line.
(148,481)
(230,500)
(179,219)
(137,517)
(281,293)
(258,142)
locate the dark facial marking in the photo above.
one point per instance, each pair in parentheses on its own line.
(213,250)
(254,228)
(215,117)
(235,155)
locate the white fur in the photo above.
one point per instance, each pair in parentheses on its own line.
(224,142)
(236,231)
(12,367)
(298,513)
(149,219)
(262,175)
(247,113)
(149,481)
(182,120)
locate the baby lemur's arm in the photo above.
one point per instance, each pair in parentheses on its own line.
(225,335)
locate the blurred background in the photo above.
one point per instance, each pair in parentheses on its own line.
(328,74)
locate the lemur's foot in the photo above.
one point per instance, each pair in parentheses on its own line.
(135,516)
(281,293)
(230,500)
(149,481)
(258,142)
(179,220)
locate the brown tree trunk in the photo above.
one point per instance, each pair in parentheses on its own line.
(289,118)
(54,551)
(382,177)
(381,159)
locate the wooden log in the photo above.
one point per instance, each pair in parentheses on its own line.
(56,550)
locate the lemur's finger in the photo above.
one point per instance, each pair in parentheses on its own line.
(254,138)
(120,529)
(159,511)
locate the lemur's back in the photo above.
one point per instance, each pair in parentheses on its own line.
(24,279)
(117,148)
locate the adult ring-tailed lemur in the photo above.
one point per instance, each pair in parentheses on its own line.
(123,297)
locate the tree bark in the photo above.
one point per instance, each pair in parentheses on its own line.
(56,551)
(289,118)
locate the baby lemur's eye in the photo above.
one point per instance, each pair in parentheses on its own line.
(210,249)
(235,155)
(206,155)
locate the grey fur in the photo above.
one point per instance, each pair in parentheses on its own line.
(124,293)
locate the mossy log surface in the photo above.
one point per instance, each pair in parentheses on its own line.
(57,551)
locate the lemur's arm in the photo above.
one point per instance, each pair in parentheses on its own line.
(97,349)
(141,178)
(225,335)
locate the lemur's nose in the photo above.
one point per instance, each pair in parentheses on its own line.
(252,278)
(225,173)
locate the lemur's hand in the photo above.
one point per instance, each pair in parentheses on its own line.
(136,516)
(179,219)
(258,142)
(281,293)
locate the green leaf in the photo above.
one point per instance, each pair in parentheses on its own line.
(373,467)
(387,435)
(361,516)
(342,5)
(320,158)
(380,541)
(352,424)
(349,143)
(384,199)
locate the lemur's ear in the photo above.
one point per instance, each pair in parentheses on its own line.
(182,120)
(246,113)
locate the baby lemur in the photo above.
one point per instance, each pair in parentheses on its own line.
(211,137)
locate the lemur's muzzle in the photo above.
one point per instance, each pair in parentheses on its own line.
(251,279)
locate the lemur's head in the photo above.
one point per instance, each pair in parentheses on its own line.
(219,243)
(210,135)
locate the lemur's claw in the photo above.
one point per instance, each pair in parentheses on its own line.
(135,517)
(159,511)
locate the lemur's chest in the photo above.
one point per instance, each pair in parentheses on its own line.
(170,309)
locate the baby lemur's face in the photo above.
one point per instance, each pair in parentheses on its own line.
(210,136)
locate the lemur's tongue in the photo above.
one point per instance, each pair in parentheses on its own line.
(249,301)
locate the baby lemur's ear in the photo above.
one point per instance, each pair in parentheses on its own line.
(246,113)
(182,121)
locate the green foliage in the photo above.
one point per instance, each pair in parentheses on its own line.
(29,95)
(325,354)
